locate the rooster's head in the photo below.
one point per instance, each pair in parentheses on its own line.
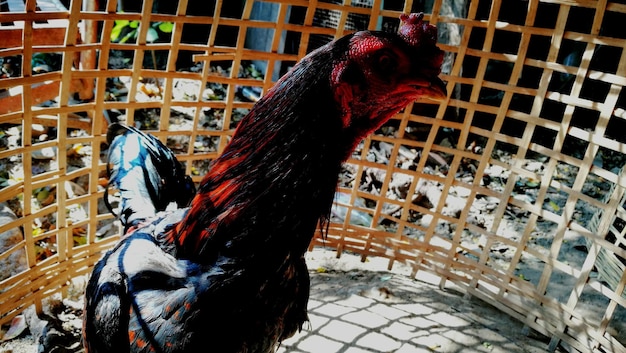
(380,73)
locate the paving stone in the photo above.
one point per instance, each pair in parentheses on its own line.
(365,318)
(342,331)
(379,342)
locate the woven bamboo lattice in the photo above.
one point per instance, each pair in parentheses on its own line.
(511,188)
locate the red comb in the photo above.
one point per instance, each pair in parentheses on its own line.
(415,31)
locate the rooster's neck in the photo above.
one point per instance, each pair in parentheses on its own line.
(273,184)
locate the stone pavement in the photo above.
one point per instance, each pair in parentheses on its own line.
(356,310)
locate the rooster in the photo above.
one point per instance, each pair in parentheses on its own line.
(227,274)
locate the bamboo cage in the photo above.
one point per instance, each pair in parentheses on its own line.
(512,188)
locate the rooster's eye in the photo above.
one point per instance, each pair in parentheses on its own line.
(387,63)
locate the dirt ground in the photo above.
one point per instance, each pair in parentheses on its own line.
(361,307)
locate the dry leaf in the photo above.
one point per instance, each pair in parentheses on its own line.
(18,325)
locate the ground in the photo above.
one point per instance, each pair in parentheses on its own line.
(361,307)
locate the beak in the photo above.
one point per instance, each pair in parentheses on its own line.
(436,90)
(429,88)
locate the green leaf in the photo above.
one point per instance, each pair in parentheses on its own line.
(42,194)
(121,23)
(554,206)
(117,29)
(152,35)
(134,24)
(166,27)
(80,240)
(132,34)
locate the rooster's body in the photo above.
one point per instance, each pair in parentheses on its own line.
(228,274)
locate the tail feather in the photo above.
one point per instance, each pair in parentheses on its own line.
(146,173)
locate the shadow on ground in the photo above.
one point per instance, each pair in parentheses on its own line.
(355,310)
